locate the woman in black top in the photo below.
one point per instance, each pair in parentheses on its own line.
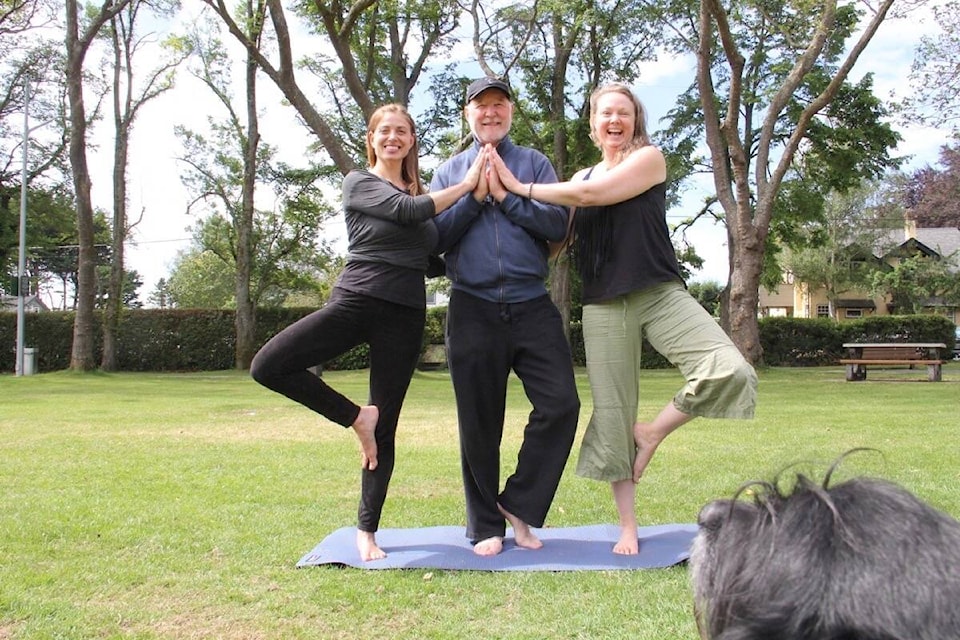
(633,289)
(379,300)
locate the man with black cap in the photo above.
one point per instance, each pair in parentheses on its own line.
(501,319)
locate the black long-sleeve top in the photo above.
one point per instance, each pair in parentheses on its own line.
(390,236)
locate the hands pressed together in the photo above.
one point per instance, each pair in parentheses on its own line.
(489,175)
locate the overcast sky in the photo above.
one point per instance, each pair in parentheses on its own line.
(155,189)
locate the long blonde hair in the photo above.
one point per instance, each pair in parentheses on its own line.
(410,170)
(640,136)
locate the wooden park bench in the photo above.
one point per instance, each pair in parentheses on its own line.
(859,355)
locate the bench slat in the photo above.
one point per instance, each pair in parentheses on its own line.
(891,361)
(893,353)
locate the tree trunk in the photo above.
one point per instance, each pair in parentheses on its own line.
(245,318)
(560,291)
(743,290)
(82,354)
(114,301)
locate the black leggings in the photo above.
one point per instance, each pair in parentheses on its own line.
(394,333)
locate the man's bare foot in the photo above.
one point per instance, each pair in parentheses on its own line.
(367,546)
(489,546)
(646,446)
(628,544)
(365,426)
(521,531)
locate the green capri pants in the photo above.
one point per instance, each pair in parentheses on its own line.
(720,383)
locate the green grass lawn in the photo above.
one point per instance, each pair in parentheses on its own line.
(176,505)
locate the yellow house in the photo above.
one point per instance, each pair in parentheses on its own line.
(795,299)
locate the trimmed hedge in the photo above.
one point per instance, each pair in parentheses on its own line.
(203,340)
(801,342)
(155,339)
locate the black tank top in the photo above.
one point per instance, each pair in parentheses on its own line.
(624,247)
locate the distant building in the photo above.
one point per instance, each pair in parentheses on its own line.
(31,304)
(795,299)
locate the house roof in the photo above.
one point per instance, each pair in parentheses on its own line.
(942,241)
(855,303)
(34,302)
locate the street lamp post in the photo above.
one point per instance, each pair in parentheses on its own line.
(22,264)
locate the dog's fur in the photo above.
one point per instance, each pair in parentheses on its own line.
(860,560)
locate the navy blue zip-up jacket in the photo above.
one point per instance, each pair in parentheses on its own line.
(498,251)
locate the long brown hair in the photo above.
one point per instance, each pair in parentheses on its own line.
(410,170)
(640,136)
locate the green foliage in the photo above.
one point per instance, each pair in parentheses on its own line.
(708,295)
(837,253)
(158,339)
(130,298)
(203,340)
(800,342)
(435,327)
(905,328)
(916,279)
(201,280)
(852,143)
(51,231)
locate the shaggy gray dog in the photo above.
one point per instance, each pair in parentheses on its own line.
(861,560)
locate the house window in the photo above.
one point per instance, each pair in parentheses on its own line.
(853,313)
(823,311)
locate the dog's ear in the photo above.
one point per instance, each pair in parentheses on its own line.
(717,513)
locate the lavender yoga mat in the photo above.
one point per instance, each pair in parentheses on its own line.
(586,548)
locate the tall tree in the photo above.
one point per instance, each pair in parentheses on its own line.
(245,317)
(31,71)
(919,281)
(78,40)
(841,254)
(933,195)
(128,99)
(935,75)
(200,279)
(225,172)
(380,52)
(554,54)
(776,109)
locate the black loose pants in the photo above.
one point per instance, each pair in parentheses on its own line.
(485,341)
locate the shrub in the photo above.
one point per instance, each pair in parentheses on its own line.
(204,340)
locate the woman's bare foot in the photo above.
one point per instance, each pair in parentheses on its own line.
(646,446)
(365,426)
(628,544)
(489,546)
(521,531)
(649,435)
(367,546)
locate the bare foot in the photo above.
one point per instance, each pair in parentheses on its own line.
(628,544)
(646,446)
(489,546)
(521,531)
(367,546)
(365,427)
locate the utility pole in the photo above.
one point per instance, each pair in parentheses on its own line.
(22,281)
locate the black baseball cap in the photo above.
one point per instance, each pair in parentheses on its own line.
(482,84)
